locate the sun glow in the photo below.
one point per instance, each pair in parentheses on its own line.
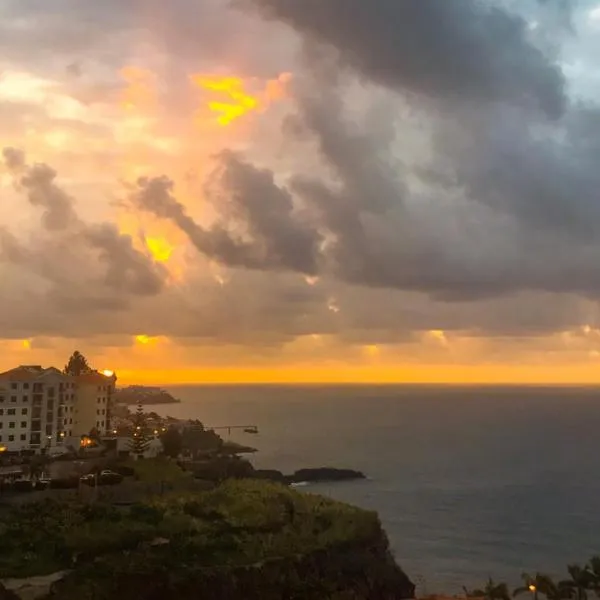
(235,100)
(159,248)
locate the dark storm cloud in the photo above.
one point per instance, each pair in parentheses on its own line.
(461,50)
(258,227)
(126,269)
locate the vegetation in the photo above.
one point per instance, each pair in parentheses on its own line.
(491,591)
(237,523)
(172,442)
(77,364)
(582,580)
(199,441)
(140,440)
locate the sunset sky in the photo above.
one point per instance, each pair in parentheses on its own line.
(302,190)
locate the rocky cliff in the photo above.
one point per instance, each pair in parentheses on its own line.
(244,540)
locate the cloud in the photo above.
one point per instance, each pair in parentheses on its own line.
(66,239)
(440,181)
(461,50)
(258,227)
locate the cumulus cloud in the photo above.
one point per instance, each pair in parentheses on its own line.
(258,227)
(71,241)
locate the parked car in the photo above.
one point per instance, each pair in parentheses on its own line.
(109,478)
(89,479)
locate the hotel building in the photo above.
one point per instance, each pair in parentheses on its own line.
(44,408)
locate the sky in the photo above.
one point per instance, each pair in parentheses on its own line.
(302,190)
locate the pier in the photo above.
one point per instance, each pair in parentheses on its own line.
(246,428)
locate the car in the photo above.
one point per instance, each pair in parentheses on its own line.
(89,479)
(110,478)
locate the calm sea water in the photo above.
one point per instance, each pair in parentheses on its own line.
(468,482)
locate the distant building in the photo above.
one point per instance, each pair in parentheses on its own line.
(44,408)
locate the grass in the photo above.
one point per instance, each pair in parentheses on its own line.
(237,523)
(155,470)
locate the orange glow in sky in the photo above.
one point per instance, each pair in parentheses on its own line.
(232,100)
(160,248)
(236,101)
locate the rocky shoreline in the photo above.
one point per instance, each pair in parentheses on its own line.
(315,475)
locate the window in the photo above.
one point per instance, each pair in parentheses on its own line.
(14,386)
(98,412)
(13,398)
(23,437)
(25,398)
(23,411)
(11,425)
(0,438)
(1,411)
(11,411)
(1,424)
(70,421)
(103,411)
(11,438)
(1,399)
(23,424)
(25,386)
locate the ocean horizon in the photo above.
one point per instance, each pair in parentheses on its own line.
(469,481)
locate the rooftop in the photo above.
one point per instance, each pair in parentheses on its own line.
(28,373)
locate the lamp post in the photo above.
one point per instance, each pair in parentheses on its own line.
(533,590)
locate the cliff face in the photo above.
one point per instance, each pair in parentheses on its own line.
(362,570)
(241,540)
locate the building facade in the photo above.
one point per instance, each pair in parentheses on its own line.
(44,408)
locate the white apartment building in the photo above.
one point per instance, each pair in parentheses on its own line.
(44,408)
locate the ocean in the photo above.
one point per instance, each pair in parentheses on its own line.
(469,482)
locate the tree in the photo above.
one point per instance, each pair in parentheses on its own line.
(540,584)
(77,364)
(140,440)
(582,579)
(197,440)
(172,442)
(491,591)
(594,568)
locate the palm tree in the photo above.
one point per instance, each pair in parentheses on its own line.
(540,584)
(582,580)
(491,591)
(594,567)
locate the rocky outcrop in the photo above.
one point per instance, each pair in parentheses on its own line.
(30,588)
(321,474)
(361,570)
(324,474)
(221,468)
